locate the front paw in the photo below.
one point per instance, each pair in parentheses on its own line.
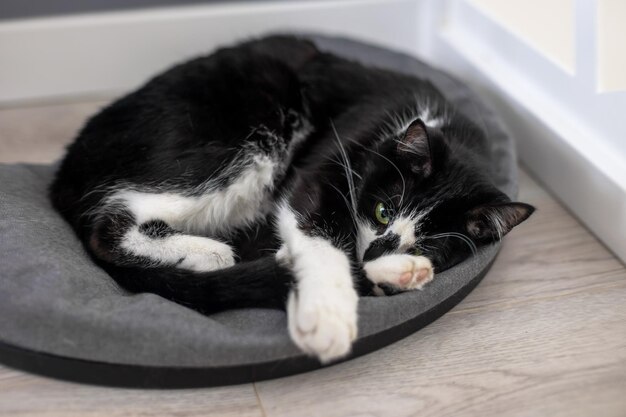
(323,322)
(402,272)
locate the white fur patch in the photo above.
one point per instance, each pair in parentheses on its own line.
(198,254)
(400,122)
(405,272)
(239,204)
(322,311)
(405,228)
(428,118)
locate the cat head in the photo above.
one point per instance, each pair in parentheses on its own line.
(426,192)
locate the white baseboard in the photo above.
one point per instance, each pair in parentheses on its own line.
(106,53)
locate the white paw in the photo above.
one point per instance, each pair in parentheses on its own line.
(204,255)
(405,272)
(323,321)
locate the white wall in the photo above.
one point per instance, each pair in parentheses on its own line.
(611,35)
(106,53)
(547,25)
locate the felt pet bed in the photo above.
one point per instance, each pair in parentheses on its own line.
(62,316)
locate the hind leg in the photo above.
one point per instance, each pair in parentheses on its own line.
(118,239)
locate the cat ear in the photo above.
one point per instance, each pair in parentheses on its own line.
(415,145)
(489,223)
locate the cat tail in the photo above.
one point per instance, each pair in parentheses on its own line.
(262,283)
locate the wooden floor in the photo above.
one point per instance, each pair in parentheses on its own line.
(544,334)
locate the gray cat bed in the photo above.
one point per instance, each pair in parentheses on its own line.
(60,315)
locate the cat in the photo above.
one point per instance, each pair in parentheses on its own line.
(271,174)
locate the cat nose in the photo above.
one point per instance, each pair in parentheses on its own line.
(379,247)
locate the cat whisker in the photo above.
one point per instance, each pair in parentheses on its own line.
(397,169)
(428,247)
(460,236)
(352,211)
(347,168)
(344,167)
(384,198)
(388,198)
(391,163)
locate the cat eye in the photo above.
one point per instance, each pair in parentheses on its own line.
(382,213)
(417,252)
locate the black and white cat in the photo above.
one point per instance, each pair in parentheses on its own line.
(271,174)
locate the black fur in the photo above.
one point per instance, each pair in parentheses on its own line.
(186,126)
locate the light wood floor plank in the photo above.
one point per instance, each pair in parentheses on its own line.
(546,361)
(39,134)
(29,395)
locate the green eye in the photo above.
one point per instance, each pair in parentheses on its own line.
(417,252)
(382,213)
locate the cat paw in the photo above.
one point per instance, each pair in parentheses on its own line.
(207,255)
(323,322)
(403,272)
